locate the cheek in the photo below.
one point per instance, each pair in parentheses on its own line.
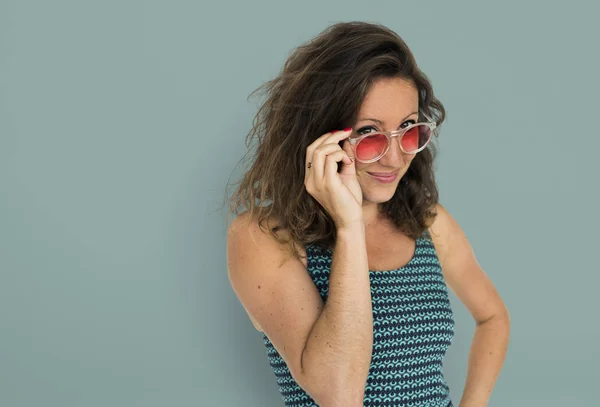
(360,167)
(408,159)
(362,176)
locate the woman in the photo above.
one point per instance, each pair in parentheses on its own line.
(344,255)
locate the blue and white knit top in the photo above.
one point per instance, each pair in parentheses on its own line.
(413,327)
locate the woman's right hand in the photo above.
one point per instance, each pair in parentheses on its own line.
(338,192)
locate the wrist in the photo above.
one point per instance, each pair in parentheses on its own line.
(349,229)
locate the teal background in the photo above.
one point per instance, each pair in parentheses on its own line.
(122,121)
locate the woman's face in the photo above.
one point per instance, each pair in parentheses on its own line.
(391,104)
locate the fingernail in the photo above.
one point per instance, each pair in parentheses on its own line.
(348,129)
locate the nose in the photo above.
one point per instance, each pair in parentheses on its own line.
(394,157)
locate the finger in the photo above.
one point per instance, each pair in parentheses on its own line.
(349,167)
(328,138)
(313,146)
(331,167)
(309,154)
(336,137)
(318,160)
(320,156)
(327,148)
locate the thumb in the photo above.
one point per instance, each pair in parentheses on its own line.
(348,168)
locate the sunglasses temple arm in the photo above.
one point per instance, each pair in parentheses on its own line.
(426,116)
(430,120)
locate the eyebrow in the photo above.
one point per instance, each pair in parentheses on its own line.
(380,122)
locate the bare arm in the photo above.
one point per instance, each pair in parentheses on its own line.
(467,279)
(338,350)
(327,347)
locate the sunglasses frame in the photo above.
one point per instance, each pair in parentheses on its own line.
(395,133)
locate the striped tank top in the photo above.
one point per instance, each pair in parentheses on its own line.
(413,327)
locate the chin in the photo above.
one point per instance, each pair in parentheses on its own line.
(379,196)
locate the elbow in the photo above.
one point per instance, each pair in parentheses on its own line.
(331,395)
(334,384)
(504,316)
(345,396)
(334,389)
(500,317)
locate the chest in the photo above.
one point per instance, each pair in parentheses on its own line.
(388,249)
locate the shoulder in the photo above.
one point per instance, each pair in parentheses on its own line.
(442,230)
(251,251)
(451,244)
(245,230)
(462,272)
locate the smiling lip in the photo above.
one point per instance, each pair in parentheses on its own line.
(384,176)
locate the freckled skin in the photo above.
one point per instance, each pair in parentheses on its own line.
(389,100)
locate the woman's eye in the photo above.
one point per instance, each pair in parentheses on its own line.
(363,130)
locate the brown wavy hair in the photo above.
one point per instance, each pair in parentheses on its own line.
(321,87)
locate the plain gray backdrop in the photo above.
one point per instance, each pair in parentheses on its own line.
(121,123)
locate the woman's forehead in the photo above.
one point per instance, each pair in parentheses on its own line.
(389,100)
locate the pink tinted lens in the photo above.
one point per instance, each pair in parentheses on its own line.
(416,138)
(371,147)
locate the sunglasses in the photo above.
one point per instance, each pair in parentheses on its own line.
(371,147)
